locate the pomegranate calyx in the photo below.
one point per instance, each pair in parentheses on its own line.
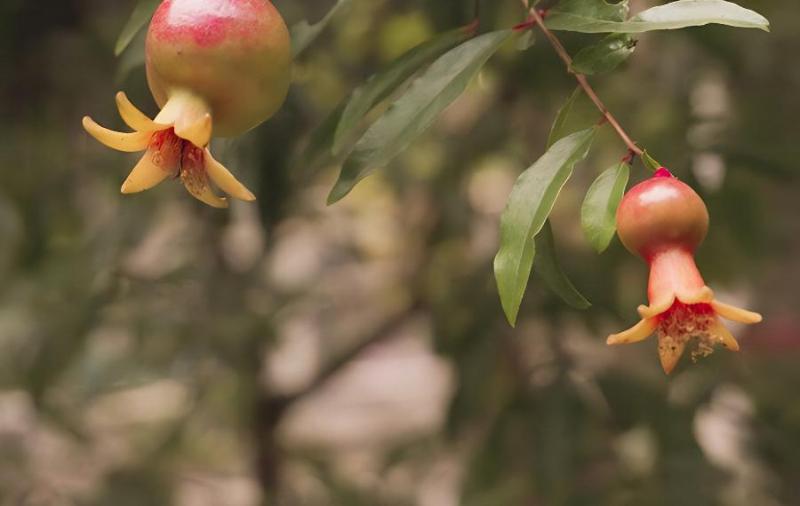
(176,145)
(662,172)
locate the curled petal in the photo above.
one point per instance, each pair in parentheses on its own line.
(724,336)
(656,309)
(145,175)
(197,132)
(121,141)
(734,313)
(135,118)
(199,188)
(670,350)
(161,161)
(225,180)
(638,332)
(195,179)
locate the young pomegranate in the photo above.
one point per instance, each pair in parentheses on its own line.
(220,66)
(663,220)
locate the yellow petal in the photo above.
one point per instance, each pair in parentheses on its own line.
(144,176)
(225,180)
(196,183)
(205,195)
(734,313)
(657,308)
(198,132)
(670,350)
(724,335)
(121,141)
(135,118)
(638,332)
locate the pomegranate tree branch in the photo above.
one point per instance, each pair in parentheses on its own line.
(537,19)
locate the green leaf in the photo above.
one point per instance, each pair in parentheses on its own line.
(304,33)
(591,9)
(599,210)
(414,112)
(526,41)
(577,113)
(549,269)
(382,84)
(558,130)
(139,17)
(671,16)
(528,207)
(604,56)
(650,162)
(684,13)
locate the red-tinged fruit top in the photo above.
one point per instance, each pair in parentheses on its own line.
(661,213)
(209,22)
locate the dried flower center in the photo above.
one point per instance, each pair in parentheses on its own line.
(682,323)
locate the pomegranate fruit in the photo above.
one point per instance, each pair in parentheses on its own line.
(216,67)
(664,221)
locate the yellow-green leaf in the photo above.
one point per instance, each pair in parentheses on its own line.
(599,210)
(605,55)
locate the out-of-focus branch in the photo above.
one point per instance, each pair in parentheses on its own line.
(384,331)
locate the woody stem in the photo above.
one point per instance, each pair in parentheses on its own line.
(536,17)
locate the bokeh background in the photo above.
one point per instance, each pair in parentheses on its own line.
(154,351)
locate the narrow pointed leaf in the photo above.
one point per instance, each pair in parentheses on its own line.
(382,84)
(304,34)
(335,129)
(671,16)
(139,17)
(650,162)
(558,130)
(528,207)
(591,9)
(599,210)
(604,56)
(413,113)
(549,269)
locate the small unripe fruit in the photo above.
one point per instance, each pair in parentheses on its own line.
(215,67)
(234,55)
(661,213)
(663,220)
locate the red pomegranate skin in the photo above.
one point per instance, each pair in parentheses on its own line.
(661,213)
(233,54)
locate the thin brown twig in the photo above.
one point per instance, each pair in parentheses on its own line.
(538,20)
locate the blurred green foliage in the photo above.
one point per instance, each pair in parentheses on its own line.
(153,351)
